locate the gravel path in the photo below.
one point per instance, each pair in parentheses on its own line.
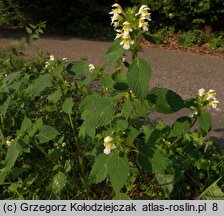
(180,71)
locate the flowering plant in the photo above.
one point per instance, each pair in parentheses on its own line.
(59,135)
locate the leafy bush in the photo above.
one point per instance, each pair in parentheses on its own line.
(186,15)
(217,40)
(190,38)
(61,138)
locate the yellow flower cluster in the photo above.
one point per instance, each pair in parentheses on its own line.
(144,17)
(108,144)
(209,97)
(124,26)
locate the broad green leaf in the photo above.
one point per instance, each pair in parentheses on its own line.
(59,182)
(121,125)
(29,30)
(90,78)
(55,97)
(139,74)
(181,126)
(127,109)
(96,111)
(40,84)
(68,105)
(165,101)
(205,121)
(99,170)
(121,196)
(213,192)
(160,162)
(141,107)
(12,154)
(118,169)
(106,81)
(153,39)
(26,124)
(78,67)
(68,165)
(115,52)
(132,134)
(46,134)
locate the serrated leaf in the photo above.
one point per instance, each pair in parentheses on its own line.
(166,181)
(99,170)
(118,171)
(46,134)
(40,84)
(97,111)
(59,182)
(77,67)
(165,101)
(127,109)
(121,196)
(139,74)
(205,121)
(115,52)
(68,105)
(106,81)
(181,126)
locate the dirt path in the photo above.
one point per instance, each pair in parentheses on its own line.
(180,71)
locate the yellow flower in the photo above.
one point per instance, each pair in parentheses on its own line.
(201,92)
(214,103)
(116,14)
(91,67)
(126,28)
(144,17)
(210,94)
(171,15)
(108,144)
(126,42)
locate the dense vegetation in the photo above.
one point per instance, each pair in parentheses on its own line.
(61,138)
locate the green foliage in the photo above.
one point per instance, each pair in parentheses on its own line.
(190,38)
(62,139)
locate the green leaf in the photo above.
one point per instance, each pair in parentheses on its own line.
(118,171)
(205,121)
(127,109)
(99,170)
(213,192)
(165,101)
(68,105)
(78,67)
(106,81)
(59,182)
(40,84)
(160,162)
(139,74)
(121,125)
(141,107)
(121,196)
(26,124)
(115,52)
(46,134)
(153,39)
(29,30)
(181,126)
(55,97)
(96,111)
